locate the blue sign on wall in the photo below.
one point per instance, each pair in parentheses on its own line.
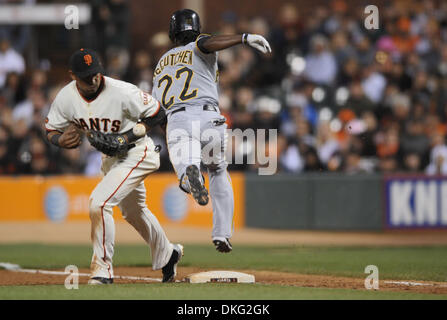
(56,203)
(416,202)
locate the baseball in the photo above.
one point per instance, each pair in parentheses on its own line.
(139,130)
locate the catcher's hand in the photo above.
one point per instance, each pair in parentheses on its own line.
(258,42)
(111,144)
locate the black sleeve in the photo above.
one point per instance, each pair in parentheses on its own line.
(158,119)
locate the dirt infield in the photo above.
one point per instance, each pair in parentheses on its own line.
(79,233)
(263,277)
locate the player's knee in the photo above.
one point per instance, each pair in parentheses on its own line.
(95,208)
(217,168)
(126,215)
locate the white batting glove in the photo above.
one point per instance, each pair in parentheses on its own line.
(256,41)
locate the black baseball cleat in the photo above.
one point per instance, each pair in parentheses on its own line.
(100,280)
(222,244)
(170,269)
(198,190)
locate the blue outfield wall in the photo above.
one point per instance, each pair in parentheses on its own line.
(328,201)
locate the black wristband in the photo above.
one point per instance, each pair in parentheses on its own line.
(131,137)
(244,38)
(55,139)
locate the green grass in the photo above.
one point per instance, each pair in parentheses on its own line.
(183,291)
(397,263)
(414,263)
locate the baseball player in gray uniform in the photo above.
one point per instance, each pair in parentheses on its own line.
(185,81)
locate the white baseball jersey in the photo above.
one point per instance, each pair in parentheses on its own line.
(116,109)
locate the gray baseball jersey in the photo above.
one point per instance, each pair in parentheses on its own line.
(185,76)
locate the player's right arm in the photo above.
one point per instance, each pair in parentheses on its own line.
(69,139)
(210,44)
(60,130)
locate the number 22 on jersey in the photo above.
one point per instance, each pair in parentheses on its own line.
(184,95)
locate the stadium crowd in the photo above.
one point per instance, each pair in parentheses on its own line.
(343,98)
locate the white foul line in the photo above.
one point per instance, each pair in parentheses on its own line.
(17,268)
(414,284)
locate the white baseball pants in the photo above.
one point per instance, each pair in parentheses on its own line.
(123,186)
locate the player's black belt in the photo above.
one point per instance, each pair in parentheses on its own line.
(206,107)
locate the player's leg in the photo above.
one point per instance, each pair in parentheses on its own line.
(102,224)
(121,177)
(221,190)
(165,255)
(184,147)
(135,211)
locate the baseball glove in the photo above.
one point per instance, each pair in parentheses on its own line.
(111,144)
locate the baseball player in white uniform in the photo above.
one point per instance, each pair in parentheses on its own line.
(108,110)
(185,81)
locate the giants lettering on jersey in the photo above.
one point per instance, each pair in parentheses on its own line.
(98,124)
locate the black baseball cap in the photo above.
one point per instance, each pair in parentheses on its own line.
(85,62)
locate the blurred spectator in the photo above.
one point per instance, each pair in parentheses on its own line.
(438,157)
(140,72)
(365,52)
(342,48)
(326,144)
(118,61)
(412,162)
(6,157)
(358,101)
(373,83)
(13,91)
(355,163)
(388,143)
(344,99)
(289,155)
(321,66)
(414,140)
(159,43)
(388,164)
(111,20)
(35,103)
(10,60)
(311,160)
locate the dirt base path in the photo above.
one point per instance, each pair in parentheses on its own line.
(79,233)
(263,277)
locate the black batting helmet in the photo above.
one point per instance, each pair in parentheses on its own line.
(183,20)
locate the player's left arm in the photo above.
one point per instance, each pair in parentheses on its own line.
(147,109)
(209,44)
